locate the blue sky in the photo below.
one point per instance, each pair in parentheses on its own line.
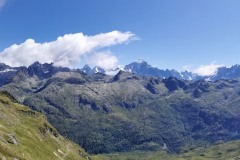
(171,33)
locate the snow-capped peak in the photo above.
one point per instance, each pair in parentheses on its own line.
(140,61)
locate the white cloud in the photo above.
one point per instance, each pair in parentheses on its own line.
(2,3)
(186,68)
(67,50)
(105,60)
(207,70)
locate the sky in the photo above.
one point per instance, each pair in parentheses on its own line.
(198,35)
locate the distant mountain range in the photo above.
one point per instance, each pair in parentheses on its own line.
(142,68)
(139,67)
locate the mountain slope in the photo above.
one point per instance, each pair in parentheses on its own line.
(105,114)
(26,134)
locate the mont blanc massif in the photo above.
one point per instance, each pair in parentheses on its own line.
(137,112)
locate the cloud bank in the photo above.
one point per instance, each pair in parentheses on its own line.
(207,70)
(67,50)
(105,60)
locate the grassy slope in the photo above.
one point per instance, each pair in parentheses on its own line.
(25,134)
(226,151)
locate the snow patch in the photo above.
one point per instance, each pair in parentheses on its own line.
(8,70)
(140,61)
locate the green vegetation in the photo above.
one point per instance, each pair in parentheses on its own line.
(226,151)
(128,113)
(26,135)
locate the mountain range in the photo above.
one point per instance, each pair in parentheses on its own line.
(129,111)
(133,110)
(139,67)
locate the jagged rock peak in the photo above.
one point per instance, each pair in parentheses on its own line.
(98,69)
(140,61)
(86,69)
(123,75)
(45,70)
(4,66)
(173,83)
